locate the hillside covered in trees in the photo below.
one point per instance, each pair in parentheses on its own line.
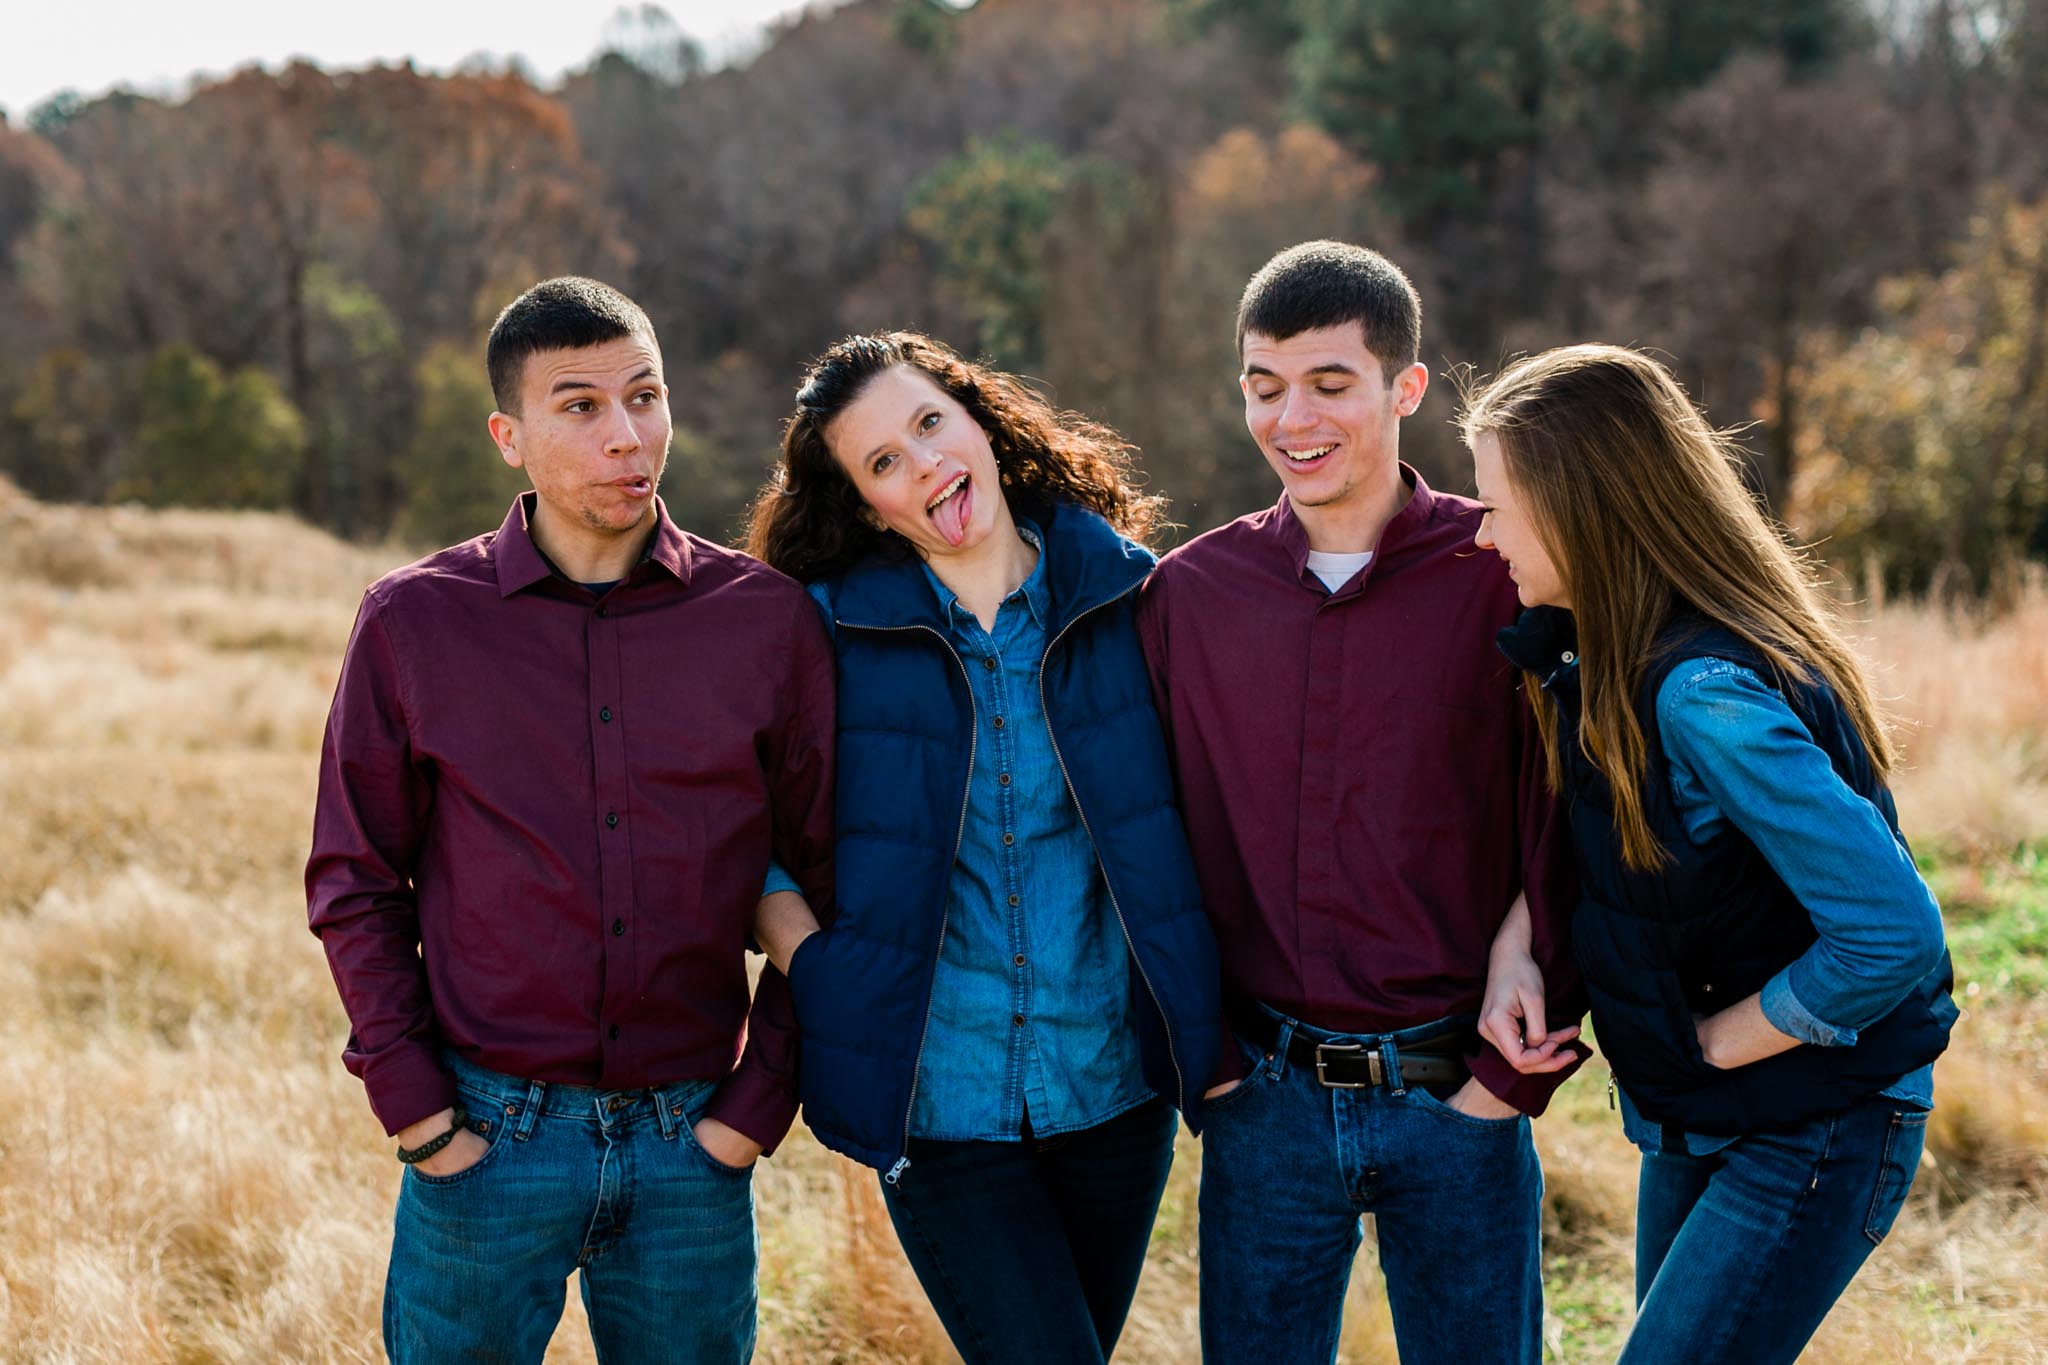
(1830,215)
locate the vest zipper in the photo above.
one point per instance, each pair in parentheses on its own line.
(1166,1024)
(902,1164)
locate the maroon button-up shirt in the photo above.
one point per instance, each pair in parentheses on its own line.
(544,817)
(1360,775)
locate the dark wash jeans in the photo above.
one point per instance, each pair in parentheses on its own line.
(1740,1253)
(607,1182)
(1288,1167)
(1030,1251)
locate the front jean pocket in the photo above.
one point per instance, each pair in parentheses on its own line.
(1904,1138)
(1255,1075)
(689,1131)
(487,1122)
(1424,1099)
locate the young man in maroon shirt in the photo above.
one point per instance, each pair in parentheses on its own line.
(1365,794)
(559,758)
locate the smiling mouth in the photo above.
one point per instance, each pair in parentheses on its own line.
(959,482)
(1309,456)
(950,507)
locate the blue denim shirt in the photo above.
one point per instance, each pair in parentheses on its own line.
(1031,1007)
(1739,756)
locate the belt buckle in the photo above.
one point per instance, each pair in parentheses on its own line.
(1372,1066)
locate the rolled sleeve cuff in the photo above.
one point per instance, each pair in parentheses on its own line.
(1788,1016)
(779,880)
(404,1090)
(1530,1094)
(753,1103)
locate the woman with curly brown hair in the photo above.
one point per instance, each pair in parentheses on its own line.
(1017,985)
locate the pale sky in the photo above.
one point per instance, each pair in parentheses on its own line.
(155,45)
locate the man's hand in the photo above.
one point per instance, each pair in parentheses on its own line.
(463,1151)
(1217,1092)
(782,921)
(1475,1099)
(726,1145)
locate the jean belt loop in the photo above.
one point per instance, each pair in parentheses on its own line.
(1276,1065)
(1390,1065)
(665,1105)
(535,1091)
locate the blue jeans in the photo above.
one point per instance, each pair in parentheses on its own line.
(610,1183)
(1288,1167)
(1740,1253)
(1030,1251)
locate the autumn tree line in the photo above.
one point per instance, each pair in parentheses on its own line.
(1831,216)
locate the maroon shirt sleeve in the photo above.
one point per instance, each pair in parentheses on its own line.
(368,820)
(1152,630)
(759,1099)
(1551,885)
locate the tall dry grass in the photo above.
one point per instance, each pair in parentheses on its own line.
(187,1174)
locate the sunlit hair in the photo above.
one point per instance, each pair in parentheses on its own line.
(808,519)
(1641,507)
(1331,284)
(566,313)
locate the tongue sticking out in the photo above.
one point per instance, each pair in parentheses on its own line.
(951,515)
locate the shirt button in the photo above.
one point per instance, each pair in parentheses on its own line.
(1019,959)
(612,1033)
(1002,779)
(1018,1020)
(618,928)
(999,722)
(611,819)
(603,610)
(989,664)
(605,714)
(1009,839)
(1015,898)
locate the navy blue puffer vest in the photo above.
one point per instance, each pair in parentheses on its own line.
(1708,929)
(863,987)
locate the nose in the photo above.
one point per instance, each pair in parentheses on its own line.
(1297,412)
(1483,537)
(621,437)
(926,459)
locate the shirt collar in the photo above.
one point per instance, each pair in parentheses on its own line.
(520,563)
(1037,596)
(1414,513)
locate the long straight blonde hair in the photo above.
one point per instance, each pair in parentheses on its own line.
(1640,506)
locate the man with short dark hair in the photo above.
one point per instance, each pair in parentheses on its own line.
(559,758)
(1365,793)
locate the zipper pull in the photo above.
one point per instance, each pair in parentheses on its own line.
(1610,1092)
(896,1171)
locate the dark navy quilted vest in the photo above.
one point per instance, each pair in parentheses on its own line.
(1708,929)
(906,739)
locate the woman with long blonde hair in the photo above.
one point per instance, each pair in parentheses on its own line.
(1766,967)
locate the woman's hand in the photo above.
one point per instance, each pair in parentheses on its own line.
(1511,1012)
(782,921)
(1739,1035)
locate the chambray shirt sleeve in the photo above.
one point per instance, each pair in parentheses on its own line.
(1739,755)
(779,880)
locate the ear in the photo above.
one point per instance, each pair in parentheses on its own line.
(1409,386)
(505,431)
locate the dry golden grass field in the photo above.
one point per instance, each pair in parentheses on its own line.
(187,1174)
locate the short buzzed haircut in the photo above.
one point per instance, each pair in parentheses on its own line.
(1327,284)
(563,314)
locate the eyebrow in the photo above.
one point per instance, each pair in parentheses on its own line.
(563,385)
(1332,368)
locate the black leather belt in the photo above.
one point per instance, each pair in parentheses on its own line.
(1348,1065)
